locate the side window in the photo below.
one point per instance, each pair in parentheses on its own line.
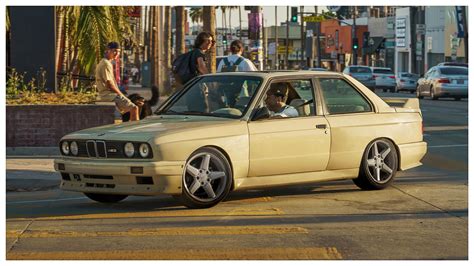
(341,98)
(289,98)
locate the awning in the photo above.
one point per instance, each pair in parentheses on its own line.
(374,43)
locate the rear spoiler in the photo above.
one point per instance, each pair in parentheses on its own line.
(404,104)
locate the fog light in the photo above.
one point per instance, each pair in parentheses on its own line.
(136,170)
(61,167)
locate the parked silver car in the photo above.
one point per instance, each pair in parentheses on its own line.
(444,81)
(406,82)
(384,78)
(362,74)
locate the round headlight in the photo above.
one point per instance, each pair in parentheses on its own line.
(65,147)
(129,149)
(144,150)
(74,148)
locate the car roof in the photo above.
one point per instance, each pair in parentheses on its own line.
(276,73)
(387,68)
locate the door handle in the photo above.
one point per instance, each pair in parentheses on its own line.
(321,126)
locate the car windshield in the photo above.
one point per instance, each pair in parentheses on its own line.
(453,70)
(382,71)
(360,70)
(219,96)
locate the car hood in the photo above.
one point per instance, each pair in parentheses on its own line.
(148,128)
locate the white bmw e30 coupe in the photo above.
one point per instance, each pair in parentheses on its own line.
(217,135)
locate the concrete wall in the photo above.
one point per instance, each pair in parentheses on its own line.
(44,125)
(402,54)
(434,37)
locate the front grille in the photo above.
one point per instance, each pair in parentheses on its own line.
(96,148)
(105,149)
(90,144)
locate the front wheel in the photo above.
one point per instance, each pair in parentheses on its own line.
(207,179)
(105,198)
(432,95)
(379,165)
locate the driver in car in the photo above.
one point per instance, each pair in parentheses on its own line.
(276,101)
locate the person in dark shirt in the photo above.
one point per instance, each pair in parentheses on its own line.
(203,43)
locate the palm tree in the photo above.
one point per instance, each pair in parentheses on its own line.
(167,48)
(195,13)
(180,27)
(87,30)
(209,25)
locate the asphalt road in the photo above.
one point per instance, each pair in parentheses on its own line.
(423,215)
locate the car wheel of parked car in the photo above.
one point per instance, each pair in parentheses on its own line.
(105,198)
(418,93)
(379,165)
(432,95)
(207,179)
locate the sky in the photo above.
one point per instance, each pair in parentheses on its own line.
(268,15)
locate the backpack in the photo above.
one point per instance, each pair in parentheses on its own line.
(181,68)
(228,67)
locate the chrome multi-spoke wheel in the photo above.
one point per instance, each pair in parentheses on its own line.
(379,165)
(207,178)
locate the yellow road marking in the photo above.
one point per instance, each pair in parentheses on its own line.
(183,213)
(314,253)
(171,231)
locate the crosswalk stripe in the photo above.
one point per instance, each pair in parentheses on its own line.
(166,213)
(170,231)
(313,253)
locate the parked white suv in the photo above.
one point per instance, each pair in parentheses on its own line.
(384,78)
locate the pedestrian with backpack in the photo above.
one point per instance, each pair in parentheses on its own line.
(236,62)
(193,63)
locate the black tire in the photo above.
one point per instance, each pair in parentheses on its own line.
(393,90)
(418,93)
(432,95)
(207,179)
(105,198)
(377,169)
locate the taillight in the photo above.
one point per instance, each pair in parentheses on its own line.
(443,81)
(374,76)
(402,80)
(392,77)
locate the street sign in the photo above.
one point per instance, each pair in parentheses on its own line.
(333,8)
(282,49)
(313,18)
(420,29)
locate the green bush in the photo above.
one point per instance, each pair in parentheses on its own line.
(19,91)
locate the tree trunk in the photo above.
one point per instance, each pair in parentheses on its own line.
(167,50)
(209,22)
(59,36)
(180,30)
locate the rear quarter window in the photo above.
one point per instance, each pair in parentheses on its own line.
(453,71)
(341,98)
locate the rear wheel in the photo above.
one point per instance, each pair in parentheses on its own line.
(105,198)
(207,179)
(432,95)
(418,93)
(379,165)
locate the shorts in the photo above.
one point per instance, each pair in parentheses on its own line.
(123,104)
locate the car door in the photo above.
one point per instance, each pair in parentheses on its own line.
(292,144)
(352,120)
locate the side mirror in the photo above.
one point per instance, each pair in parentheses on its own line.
(261,113)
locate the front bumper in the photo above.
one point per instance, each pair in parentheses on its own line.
(115,176)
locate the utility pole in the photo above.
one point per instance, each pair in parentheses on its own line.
(303,38)
(466,43)
(256,33)
(287,35)
(277,62)
(354,35)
